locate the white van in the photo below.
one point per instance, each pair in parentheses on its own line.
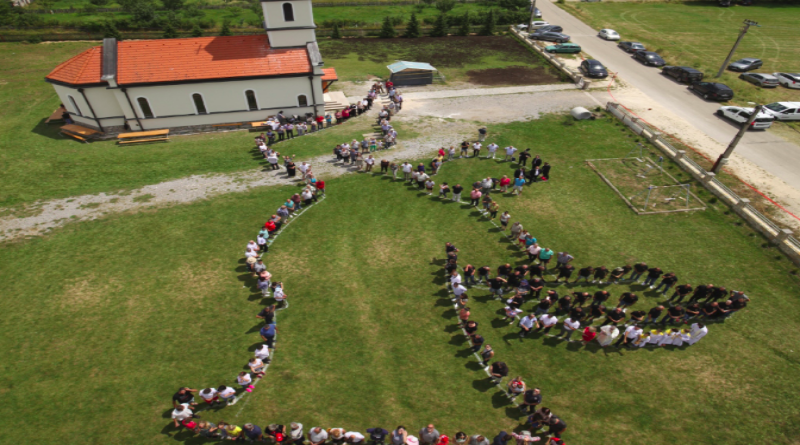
(784,111)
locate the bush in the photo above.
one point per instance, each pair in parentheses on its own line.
(34,39)
(336,34)
(196,31)
(169,32)
(464,26)
(515,5)
(412,30)
(172,5)
(488,25)
(99,2)
(446,5)
(387,30)
(110,30)
(90,9)
(193,12)
(226,29)
(440,27)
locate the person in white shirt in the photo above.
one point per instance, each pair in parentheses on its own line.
(407,168)
(421,178)
(262,353)
(630,335)
(249,253)
(273,161)
(451,153)
(526,324)
(512,313)
(642,340)
(569,327)
(492,150)
(657,336)
(181,413)
(317,436)
(459,290)
(476,149)
(303,167)
(210,396)
(279,295)
(699,330)
(253,246)
(354,437)
(226,393)
(510,150)
(455,278)
(547,321)
(257,367)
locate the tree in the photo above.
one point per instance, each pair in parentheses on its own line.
(169,32)
(515,5)
(446,5)
(172,5)
(440,27)
(387,30)
(488,25)
(336,34)
(412,29)
(226,29)
(99,2)
(196,31)
(110,31)
(464,27)
(143,13)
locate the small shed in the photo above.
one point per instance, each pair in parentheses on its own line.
(412,73)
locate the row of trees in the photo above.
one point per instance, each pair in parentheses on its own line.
(441,26)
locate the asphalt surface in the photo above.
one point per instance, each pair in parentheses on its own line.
(770,152)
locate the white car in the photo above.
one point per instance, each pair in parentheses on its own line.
(608,34)
(742,115)
(784,111)
(535,25)
(789,80)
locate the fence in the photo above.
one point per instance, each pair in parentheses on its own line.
(554,60)
(783,238)
(314,4)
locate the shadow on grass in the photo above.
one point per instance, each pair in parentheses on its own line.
(458,340)
(483,385)
(49,131)
(444,302)
(499,400)
(448,314)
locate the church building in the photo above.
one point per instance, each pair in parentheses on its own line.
(193,84)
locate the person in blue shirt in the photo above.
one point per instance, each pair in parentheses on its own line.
(253,432)
(518,183)
(268,334)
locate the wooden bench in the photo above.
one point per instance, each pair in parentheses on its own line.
(143,136)
(78,132)
(56,117)
(235,124)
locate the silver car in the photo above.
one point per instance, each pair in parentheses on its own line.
(760,79)
(789,80)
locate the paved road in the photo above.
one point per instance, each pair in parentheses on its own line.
(770,152)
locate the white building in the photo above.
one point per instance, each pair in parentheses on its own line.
(195,83)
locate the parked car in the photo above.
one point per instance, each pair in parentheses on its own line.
(537,13)
(724,3)
(649,58)
(789,80)
(593,68)
(742,115)
(784,111)
(631,47)
(608,34)
(550,36)
(536,24)
(762,80)
(683,74)
(746,64)
(552,28)
(563,48)
(712,90)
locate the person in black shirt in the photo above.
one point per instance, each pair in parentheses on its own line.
(477,341)
(519,172)
(469,275)
(498,371)
(653,315)
(701,292)
(565,272)
(448,247)
(717,293)
(594,312)
(600,297)
(638,270)
(681,291)
(580,298)
(564,305)
(627,299)
(471,327)
(674,315)
(725,309)
(267,314)
(496,286)
(692,310)
(457,189)
(557,427)
(483,273)
(710,310)
(614,317)
(667,281)
(523,270)
(584,274)
(516,301)
(504,270)
(514,280)
(536,284)
(636,317)
(652,275)
(543,306)
(450,267)
(524,156)
(184,395)
(600,274)
(530,400)
(576,313)
(738,304)
(377,436)
(620,272)
(464,149)
(537,270)
(546,171)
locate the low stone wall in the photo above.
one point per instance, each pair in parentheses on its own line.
(782,238)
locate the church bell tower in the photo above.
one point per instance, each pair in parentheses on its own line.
(289,23)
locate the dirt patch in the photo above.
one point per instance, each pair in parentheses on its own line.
(513,75)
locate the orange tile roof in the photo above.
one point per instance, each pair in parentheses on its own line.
(329,74)
(85,68)
(176,60)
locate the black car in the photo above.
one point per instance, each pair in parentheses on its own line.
(712,90)
(550,36)
(593,68)
(746,64)
(551,28)
(649,58)
(724,3)
(631,47)
(683,74)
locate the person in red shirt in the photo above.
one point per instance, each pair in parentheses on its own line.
(589,334)
(320,120)
(389,84)
(270,226)
(320,186)
(504,182)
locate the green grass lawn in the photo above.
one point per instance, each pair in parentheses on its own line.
(98,332)
(701,35)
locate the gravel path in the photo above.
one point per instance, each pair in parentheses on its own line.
(430,114)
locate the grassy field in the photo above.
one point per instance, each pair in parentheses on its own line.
(38,163)
(369,338)
(701,35)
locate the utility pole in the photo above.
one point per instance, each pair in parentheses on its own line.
(533,11)
(724,156)
(742,32)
